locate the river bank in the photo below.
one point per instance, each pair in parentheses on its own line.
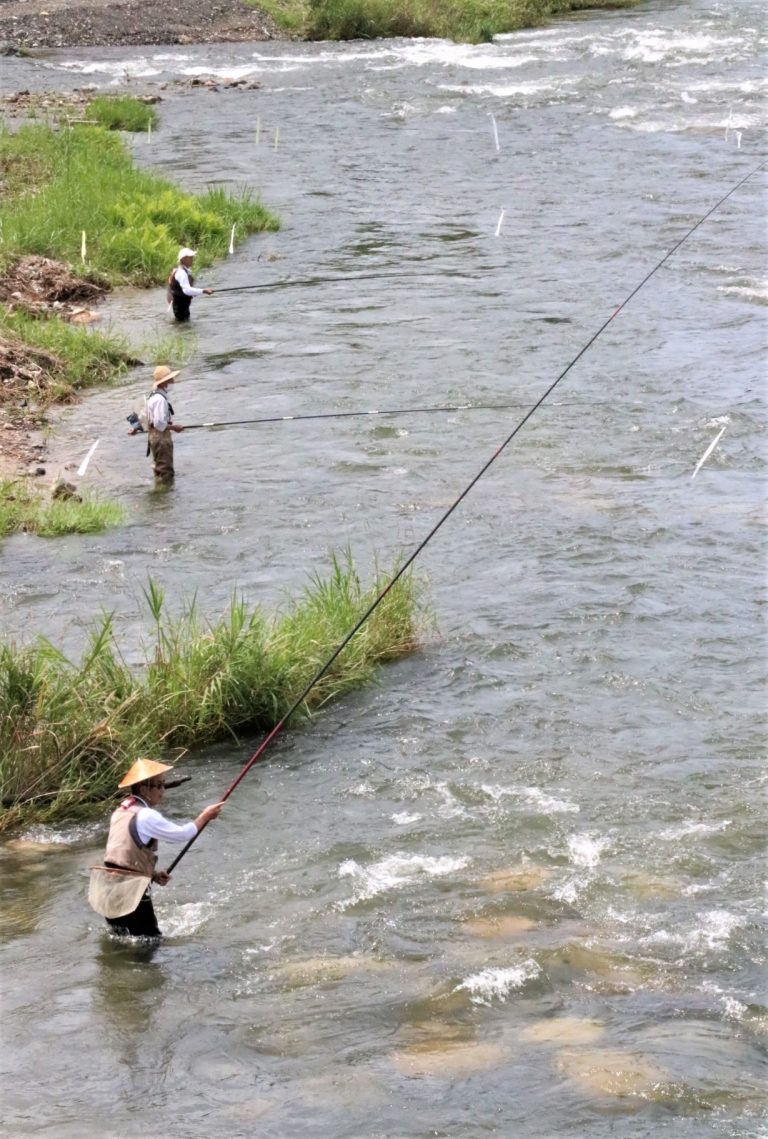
(32,24)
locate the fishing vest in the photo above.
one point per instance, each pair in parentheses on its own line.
(124,847)
(157,391)
(174,288)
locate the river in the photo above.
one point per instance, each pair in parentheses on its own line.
(513,889)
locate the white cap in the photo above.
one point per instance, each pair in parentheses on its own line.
(187,253)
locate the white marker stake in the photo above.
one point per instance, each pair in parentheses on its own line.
(708,452)
(84,465)
(232,242)
(149,131)
(495,131)
(501,219)
(277,136)
(738,140)
(82,248)
(258,130)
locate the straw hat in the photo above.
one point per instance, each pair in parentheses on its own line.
(143,770)
(162,375)
(187,253)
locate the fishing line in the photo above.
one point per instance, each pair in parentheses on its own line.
(326,280)
(412,558)
(355,414)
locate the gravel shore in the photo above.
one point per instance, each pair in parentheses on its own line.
(30,24)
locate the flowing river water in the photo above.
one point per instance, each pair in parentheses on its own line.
(513,889)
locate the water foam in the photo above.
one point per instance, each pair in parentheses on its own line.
(394,872)
(497,984)
(585,850)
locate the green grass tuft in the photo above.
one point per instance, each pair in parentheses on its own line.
(467,21)
(122,113)
(77,356)
(83,181)
(23,508)
(69,730)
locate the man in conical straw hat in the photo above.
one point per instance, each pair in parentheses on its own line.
(131,856)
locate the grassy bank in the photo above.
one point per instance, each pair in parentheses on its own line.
(466,21)
(69,730)
(61,184)
(25,509)
(68,358)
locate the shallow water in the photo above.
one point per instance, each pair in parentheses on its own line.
(513,889)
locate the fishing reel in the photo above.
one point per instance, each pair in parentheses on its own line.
(135,423)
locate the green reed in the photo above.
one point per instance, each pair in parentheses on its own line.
(84,182)
(470,21)
(73,356)
(122,113)
(25,509)
(69,730)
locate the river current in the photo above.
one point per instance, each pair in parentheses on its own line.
(513,889)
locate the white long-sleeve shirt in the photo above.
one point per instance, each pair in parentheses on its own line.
(158,411)
(189,290)
(151,824)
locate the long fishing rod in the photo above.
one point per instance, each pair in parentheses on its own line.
(355,414)
(412,558)
(322,281)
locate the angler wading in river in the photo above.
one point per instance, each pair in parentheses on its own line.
(160,425)
(181,286)
(120,889)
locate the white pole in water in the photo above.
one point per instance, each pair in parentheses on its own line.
(84,465)
(232,242)
(738,140)
(277,136)
(149,131)
(82,248)
(708,452)
(495,131)
(501,219)
(258,130)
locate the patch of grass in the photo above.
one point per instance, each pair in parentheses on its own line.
(69,730)
(81,179)
(75,356)
(23,508)
(466,21)
(122,113)
(179,347)
(290,15)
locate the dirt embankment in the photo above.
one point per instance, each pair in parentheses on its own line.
(30,24)
(28,376)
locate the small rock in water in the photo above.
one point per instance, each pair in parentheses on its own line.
(443,1053)
(563,1030)
(65,490)
(504,926)
(518,878)
(612,1072)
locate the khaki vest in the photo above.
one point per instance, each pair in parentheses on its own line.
(124,847)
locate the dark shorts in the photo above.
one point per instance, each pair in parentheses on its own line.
(141,923)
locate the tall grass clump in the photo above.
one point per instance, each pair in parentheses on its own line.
(75,356)
(69,730)
(468,21)
(85,182)
(122,113)
(23,509)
